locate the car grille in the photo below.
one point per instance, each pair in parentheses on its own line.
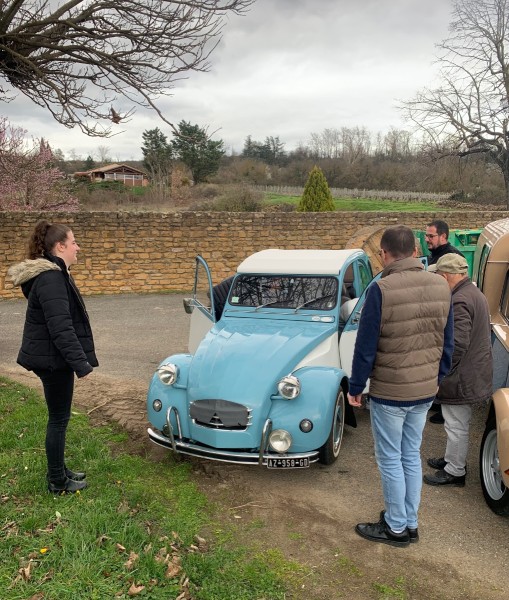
(220,414)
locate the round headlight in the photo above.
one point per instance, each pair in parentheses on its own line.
(280,440)
(168,373)
(289,387)
(157,405)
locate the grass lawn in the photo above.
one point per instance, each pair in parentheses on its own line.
(361,204)
(136,531)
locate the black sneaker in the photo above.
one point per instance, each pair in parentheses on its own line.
(380,532)
(436,463)
(69,486)
(413,534)
(442,477)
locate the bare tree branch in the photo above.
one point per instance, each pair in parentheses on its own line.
(79,58)
(469,113)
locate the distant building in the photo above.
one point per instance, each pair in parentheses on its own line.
(123,173)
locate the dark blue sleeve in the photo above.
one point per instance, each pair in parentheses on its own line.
(366,343)
(446,360)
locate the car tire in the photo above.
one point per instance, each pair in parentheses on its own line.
(330,450)
(495,492)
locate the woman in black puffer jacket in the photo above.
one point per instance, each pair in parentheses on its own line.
(57,338)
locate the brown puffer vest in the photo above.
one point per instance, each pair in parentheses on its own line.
(415,307)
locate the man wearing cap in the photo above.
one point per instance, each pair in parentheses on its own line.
(470,378)
(437,241)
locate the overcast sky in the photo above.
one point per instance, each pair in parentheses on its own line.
(287,68)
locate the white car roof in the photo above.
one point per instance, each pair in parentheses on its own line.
(296,262)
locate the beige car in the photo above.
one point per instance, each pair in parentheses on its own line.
(491,274)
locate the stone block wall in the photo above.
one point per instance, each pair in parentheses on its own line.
(128,252)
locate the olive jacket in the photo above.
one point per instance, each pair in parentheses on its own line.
(470,378)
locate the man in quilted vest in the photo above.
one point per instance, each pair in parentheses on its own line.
(404,346)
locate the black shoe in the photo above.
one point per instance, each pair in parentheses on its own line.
(75,475)
(69,486)
(380,532)
(437,418)
(436,463)
(413,534)
(442,477)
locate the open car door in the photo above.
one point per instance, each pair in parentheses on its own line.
(201,305)
(349,333)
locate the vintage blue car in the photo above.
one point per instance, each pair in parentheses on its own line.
(266,376)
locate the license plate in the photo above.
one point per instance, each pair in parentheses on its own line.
(287,463)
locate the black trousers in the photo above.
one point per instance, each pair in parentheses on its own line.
(58,391)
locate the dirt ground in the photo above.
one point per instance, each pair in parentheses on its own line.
(309,514)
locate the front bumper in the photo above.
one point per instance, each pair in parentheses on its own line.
(177,444)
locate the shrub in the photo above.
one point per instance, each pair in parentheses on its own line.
(317,196)
(237,198)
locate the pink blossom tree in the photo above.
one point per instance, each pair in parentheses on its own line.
(29,181)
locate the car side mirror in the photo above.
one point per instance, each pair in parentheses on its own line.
(188,305)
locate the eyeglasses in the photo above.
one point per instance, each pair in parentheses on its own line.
(430,235)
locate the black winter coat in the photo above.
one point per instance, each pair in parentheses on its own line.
(57,332)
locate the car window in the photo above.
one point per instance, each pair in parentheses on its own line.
(276,291)
(202,286)
(482,266)
(504,301)
(365,277)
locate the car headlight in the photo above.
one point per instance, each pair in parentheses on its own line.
(289,387)
(280,440)
(168,373)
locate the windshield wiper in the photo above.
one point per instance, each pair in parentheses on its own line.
(313,300)
(267,304)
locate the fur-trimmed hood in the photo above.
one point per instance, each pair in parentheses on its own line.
(30,268)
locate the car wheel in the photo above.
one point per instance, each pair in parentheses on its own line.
(330,450)
(495,492)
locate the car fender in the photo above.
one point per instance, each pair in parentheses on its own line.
(501,404)
(316,401)
(170,395)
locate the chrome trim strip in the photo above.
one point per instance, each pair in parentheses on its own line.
(245,458)
(267,428)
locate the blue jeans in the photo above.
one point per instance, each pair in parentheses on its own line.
(397,432)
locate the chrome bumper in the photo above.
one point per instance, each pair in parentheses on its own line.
(178,444)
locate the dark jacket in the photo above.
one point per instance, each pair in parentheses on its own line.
(405,338)
(470,378)
(57,332)
(437,253)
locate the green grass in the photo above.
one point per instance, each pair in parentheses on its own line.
(361,204)
(136,525)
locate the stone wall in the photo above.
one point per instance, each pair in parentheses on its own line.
(152,252)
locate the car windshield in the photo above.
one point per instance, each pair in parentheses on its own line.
(288,291)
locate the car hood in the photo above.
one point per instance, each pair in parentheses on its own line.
(242,359)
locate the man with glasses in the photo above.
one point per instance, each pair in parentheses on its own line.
(437,235)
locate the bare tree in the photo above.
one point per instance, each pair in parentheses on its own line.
(77,58)
(469,112)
